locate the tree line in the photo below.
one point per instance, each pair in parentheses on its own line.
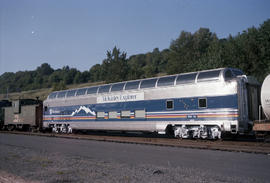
(248,51)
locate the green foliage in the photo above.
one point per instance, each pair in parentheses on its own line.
(59,86)
(96,73)
(115,67)
(44,69)
(43,77)
(135,65)
(248,51)
(188,52)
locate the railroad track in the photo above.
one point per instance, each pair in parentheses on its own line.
(225,145)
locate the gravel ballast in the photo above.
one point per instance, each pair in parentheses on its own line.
(21,164)
(49,159)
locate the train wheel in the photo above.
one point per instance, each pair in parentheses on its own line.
(69,129)
(215,132)
(170,131)
(11,127)
(55,129)
(177,132)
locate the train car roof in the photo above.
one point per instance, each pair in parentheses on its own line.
(220,74)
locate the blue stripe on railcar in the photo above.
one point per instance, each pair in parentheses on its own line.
(183,108)
(229,101)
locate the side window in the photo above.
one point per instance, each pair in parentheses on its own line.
(92,90)
(132,85)
(125,114)
(148,83)
(52,95)
(104,89)
(81,91)
(202,103)
(169,104)
(166,81)
(228,75)
(113,115)
(208,76)
(186,78)
(101,115)
(45,108)
(140,114)
(117,87)
(71,93)
(61,94)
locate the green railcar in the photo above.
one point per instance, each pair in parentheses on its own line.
(24,114)
(3,103)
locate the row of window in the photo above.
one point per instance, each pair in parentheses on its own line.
(146,83)
(123,114)
(202,103)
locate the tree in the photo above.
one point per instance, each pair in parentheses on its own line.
(248,51)
(55,77)
(264,47)
(115,67)
(44,69)
(180,53)
(59,86)
(188,49)
(78,78)
(213,56)
(85,76)
(153,61)
(69,74)
(96,73)
(135,65)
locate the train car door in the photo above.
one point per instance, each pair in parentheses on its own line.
(253,97)
(242,105)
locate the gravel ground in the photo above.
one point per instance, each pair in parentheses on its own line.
(20,164)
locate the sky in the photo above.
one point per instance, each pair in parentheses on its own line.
(78,33)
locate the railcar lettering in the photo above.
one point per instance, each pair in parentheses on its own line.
(54,111)
(120,98)
(191,116)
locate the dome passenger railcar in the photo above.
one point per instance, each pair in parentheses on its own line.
(201,104)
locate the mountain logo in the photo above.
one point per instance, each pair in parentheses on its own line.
(85,109)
